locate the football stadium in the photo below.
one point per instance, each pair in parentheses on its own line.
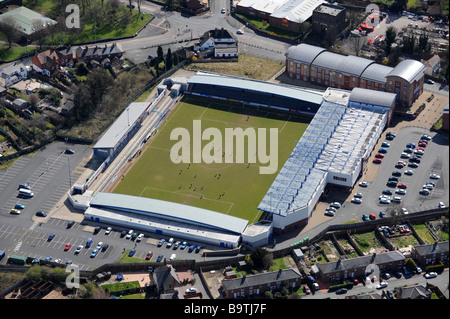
(324,138)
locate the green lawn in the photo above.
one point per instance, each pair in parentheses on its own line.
(155,175)
(15,52)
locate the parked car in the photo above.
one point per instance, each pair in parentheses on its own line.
(413,165)
(358,195)
(365,217)
(94,253)
(51,236)
(19,206)
(335,205)
(441,205)
(132,252)
(191,248)
(405,155)
(372,216)
(435,176)
(356,200)
(41,214)
(329,213)
(400,191)
(409,172)
(377,161)
(108,231)
(364,184)
(382,150)
(402,185)
(341,291)
(78,250)
(385,144)
(424,192)
(159,258)
(129,234)
(396,173)
(240,31)
(149,255)
(387,192)
(411,145)
(173,257)
(68,245)
(382,285)
(408,150)
(191,290)
(383,215)
(139,238)
(379,155)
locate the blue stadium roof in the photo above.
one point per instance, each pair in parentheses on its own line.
(168,210)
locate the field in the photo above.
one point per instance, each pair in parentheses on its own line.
(230,188)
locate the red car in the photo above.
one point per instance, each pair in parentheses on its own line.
(377,160)
(423,144)
(403,185)
(420,149)
(67,246)
(372,216)
(379,155)
(306,290)
(149,255)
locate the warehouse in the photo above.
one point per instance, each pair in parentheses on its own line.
(166,219)
(122,130)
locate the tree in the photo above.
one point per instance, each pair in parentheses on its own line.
(261,258)
(9,28)
(169,61)
(391,33)
(356,44)
(160,54)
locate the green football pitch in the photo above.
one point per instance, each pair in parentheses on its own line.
(229,188)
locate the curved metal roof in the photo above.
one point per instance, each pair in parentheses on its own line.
(304,53)
(409,70)
(376,72)
(168,210)
(351,65)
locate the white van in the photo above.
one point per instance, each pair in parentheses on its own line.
(25,192)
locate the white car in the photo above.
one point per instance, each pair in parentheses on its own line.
(430,275)
(434,176)
(335,205)
(358,195)
(329,213)
(363,184)
(385,201)
(99,245)
(405,155)
(331,209)
(418,152)
(441,205)
(108,231)
(139,238)
(172,257)
(428,186)
(405,211)
(78,250)
(240,31)
(128,236)
(397,199)
(409,172)
(223,10)
(426,137)
(191,290)
(382,285)
(356,200)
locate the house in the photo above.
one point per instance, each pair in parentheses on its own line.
(48,62)
(430,254)
(98,52)
(412,292)
(20,104)
(356,267)
(432,64)
(258,284)
(218,43)
(13,74)
(328,20)
(165,279)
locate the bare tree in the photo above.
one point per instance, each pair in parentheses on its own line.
(9,27)
(356,44)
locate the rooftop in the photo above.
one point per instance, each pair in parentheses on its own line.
(171,211)
(25,19)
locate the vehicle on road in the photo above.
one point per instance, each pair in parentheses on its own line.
(382,285)
(430,275)
(240,31)
(223,10)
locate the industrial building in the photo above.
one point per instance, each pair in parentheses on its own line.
(316,65)
(122,130)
